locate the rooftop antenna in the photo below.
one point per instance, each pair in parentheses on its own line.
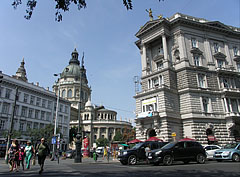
(136,82)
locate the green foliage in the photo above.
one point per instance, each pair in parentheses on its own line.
(101,142)
(36,134)
(118,136)
(61,6)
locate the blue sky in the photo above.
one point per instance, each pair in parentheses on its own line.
(105,31)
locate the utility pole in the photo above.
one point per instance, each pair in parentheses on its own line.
(11,125)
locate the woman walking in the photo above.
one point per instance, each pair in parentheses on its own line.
(29,151)
(14,155)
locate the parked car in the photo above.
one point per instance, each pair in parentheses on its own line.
(137,153)
(70,154)
(229,152)
(185,151)
(100,150)
(210,150)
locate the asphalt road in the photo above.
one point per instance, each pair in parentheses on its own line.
(102,168)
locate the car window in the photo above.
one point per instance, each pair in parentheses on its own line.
(189,144)
(181,144)
(208,147)
(230,146)
(215,147)
(154,146)
(238,147)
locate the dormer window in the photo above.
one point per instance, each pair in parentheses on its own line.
(235,51)
(216,47)
(194,42)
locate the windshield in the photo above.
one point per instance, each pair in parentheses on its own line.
(230,146)
(169,145)
(137,146)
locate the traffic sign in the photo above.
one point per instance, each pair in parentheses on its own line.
(54,140)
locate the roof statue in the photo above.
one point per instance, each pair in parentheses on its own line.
(150,14)
(160,16)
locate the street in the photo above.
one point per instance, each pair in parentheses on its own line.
(114,168)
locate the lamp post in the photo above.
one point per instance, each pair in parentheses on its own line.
(56,118)
(78,158)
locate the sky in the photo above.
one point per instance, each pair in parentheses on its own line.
(104,31)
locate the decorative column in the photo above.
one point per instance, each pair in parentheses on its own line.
(226,105)
(144,59)
(165,51)
(107,132)
(228,54)
(98,132)
(208,51)
(182,46)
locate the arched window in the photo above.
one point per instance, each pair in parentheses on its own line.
(69,94)
(77,93)
(64,93)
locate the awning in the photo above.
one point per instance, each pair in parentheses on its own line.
(124,144)
(187,139)
(211,138)
(134,141)
(153,139)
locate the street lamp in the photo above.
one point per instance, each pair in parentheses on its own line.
(78,158)
(56,118)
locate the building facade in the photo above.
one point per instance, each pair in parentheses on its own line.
(190,83)
(35,106)
(96,121)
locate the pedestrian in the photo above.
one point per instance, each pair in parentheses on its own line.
(104,152)
(42,151)
(29,152)
(14,155)
(147,150)
(21,157)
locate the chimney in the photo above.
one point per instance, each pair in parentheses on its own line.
(37,83)
(47,88)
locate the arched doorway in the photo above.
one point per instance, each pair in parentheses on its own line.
(151,133)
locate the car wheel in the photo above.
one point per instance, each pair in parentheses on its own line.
(235,158)
(167,160)
(123,162)
(201,158)
(132,160)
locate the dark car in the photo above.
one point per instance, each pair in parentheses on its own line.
(185,151)
(137,153)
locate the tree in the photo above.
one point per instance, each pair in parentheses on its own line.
(61,5)
(102,142)
(118,136)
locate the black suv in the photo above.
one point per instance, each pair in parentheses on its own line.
(137,153)
(185,151)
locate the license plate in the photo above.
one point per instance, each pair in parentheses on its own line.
(150,157)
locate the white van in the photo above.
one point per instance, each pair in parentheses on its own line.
(100,150)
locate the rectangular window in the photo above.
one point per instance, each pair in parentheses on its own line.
(21,126)
(18,96)
(48,116)
(194,42)
(24,111)
(216,47)
(196,60)
(37,114)
(155,81)
(35,125)
(65,119)
(2,124)
(41,125)
(202,80)
(234,105)
(8,93)
(238,66)
(17,110)
(66,109)
(220,63)
(38,101)
(225,83)
(61,108)
(25,98)
(159,65)
(49,104)
(32,100)
(160,79)
(29,125)
(44,103)
(5,108)
(30,113)
(43,115)
(205,104)
(235,51)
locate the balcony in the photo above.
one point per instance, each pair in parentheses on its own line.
(153,89)
(232,114)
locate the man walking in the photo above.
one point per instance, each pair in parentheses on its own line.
(42,151)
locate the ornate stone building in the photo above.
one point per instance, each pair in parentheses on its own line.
(96,121)
(35,106)
(190,80)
